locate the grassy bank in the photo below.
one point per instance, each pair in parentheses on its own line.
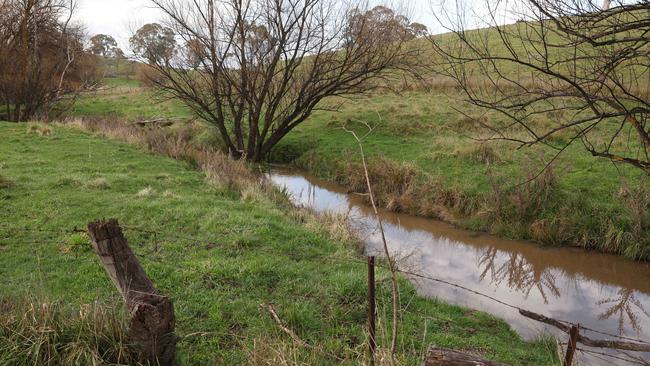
(223,246)
(425,161)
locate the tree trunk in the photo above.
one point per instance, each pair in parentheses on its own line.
(151,327)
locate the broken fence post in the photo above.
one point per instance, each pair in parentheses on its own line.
(437,356)
(571,346)
(151,327)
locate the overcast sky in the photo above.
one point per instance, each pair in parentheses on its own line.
(119,18)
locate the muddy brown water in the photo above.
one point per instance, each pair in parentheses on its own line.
(598,291)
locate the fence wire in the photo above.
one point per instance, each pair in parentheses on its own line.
(196,241)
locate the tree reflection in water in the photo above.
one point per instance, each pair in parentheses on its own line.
(517,273)
(624,305)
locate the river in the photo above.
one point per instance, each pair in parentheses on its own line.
(599,291)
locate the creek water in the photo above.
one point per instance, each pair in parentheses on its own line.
(603,292)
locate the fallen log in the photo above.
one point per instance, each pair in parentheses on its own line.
(159,122)
(448,357)
(151,327)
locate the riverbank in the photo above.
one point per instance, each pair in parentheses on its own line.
(223,246)
(425,161)
(572,284)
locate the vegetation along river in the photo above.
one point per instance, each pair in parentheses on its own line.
(598,291)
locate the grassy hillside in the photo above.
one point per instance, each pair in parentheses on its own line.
(217,251)
(126,99)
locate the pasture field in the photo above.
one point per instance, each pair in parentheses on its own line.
(219,251)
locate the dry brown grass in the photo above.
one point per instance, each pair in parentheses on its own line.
(38,332)
(41,129)
(97,183)
(401,188)
(6,183)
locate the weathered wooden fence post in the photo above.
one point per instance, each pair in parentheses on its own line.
(151,327)
(372,344)
(571,346)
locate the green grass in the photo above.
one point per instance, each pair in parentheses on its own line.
(125,99)
(424,131)
(218,254)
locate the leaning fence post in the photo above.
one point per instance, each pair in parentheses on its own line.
(372,344)
(571,347)
(151,327)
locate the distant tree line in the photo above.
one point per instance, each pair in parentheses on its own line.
(256,69)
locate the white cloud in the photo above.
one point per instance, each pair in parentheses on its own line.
(118,18)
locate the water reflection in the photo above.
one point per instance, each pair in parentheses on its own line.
(517,273)
(624,306)
(598,291)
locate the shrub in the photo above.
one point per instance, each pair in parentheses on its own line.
(147,75)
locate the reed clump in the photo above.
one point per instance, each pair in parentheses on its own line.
(6,183)
(39,332)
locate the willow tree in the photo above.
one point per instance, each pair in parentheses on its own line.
(567,72)
(256,69)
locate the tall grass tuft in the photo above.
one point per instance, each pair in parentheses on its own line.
(36,332)
(391,182)
(5,183)
(636,201)
(519,208)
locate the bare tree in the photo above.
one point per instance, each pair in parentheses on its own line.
(256,69)
(566,72)
(42,61)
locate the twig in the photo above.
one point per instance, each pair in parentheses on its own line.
(391,264)
(284,328)
(297,340)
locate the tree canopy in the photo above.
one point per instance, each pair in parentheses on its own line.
(42,59)
(257,69)
(106,46)
(154,42)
